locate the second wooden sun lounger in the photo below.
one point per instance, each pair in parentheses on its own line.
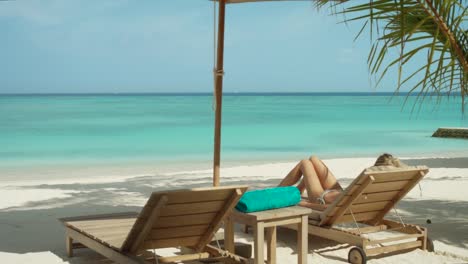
(364,204)
(181,218)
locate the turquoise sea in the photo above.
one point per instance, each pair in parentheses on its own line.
(83,130)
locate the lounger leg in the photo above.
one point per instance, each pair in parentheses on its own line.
(69,246)
(424,240)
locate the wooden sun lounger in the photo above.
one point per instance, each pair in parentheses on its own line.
(364,203)
(181,218)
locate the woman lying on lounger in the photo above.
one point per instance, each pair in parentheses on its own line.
(322,186)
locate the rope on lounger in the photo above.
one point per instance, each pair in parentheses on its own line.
(401,219)
(156,260)
(219,245)
(357,226)
(217,241)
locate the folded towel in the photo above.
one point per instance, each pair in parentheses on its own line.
(266,199)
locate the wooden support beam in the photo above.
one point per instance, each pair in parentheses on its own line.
(218,77)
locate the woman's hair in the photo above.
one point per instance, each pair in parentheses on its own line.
(388,160)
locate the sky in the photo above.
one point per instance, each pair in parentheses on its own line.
(123,46)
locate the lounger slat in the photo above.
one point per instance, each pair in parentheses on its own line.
(163,233)
(111,232)
(386,186)
(201,196)
(377,188)
(365,207)
(108,241)
(122,215)
(172,221)
(109,229)
(102,222)
(400,176)
(173,242)
(348,218)
(383,176)
(188,196)
(113,241)
(192,208)
(106,251)
(105,224)
(375,197)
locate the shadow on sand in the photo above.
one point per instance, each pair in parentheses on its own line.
(34,227)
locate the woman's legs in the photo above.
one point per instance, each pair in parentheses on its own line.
(316,178)
(326,177)
(311,180)
(293,176)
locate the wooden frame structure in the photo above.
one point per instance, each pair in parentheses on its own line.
(181,218)
(365,203)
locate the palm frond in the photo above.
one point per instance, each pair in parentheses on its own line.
(433,29)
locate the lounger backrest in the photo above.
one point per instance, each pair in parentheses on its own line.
(187,218)
(372,195)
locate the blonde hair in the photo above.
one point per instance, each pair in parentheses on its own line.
(388,160)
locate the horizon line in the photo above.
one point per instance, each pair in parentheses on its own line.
(209,93)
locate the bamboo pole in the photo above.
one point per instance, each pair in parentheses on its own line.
(219,92)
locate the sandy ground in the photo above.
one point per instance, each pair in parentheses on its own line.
(30,231)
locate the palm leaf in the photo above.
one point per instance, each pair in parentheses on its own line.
(435,29)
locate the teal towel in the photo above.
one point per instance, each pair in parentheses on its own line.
(266,199)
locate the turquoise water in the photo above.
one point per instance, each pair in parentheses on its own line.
(93,129)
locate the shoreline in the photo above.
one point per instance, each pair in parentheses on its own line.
(118,172)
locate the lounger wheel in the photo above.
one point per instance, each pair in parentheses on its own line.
(430,245)
(357,255)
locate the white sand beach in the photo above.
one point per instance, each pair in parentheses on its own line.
(30,231)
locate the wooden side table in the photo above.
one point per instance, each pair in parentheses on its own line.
(269,220)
